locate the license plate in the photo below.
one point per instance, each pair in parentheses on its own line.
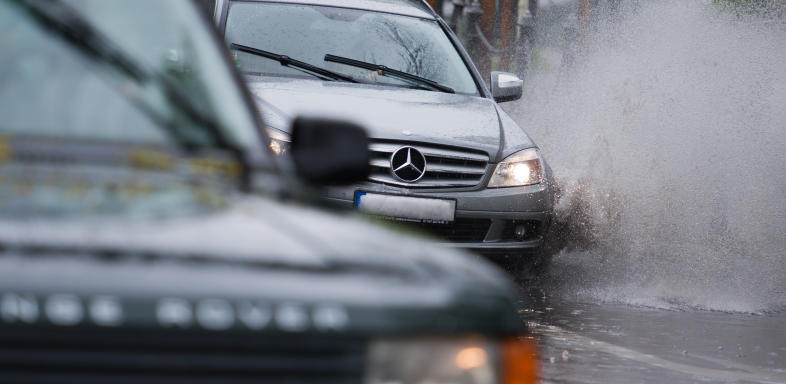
(406,208)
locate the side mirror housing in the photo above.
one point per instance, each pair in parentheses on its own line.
(506,86)
(329,152)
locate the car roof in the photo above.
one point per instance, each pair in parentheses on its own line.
(416,8)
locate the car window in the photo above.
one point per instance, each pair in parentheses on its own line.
(97,99)
(50,87)
(308,33)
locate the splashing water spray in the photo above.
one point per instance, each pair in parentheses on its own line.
(668,137)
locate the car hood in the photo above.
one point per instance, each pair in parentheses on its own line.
(386,112)
(260,249)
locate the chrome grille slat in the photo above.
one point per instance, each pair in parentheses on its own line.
(389,148)
(424,183)
(469,170)
(381,163)
(445,167)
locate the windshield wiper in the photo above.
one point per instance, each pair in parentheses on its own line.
(81,34)
(385,71)
(287,61)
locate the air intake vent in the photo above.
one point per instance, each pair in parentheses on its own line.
(446,167)
(462,230)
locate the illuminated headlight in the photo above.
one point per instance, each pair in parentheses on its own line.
(447,361)
(519,169)
(279,141)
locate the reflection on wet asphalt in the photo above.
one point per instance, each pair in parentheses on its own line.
(585,342)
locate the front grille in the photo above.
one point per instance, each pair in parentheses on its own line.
(445,166)
(461,230)
(88,356)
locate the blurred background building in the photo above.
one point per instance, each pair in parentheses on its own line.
(503,34)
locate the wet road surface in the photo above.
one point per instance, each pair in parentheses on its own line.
(584,342)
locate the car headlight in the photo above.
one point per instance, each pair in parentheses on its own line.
(449,361)
(519,169)
(279,141)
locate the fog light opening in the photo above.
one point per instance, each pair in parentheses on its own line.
(520,232)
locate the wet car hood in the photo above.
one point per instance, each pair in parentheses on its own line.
(259,249)
(387,112)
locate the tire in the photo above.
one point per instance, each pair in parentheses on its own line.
(541,263)
(532,264)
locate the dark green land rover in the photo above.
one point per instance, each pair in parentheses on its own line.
(146,235)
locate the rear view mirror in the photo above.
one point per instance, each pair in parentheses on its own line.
(506,86)
(329,152)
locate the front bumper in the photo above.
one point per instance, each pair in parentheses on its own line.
(493,222)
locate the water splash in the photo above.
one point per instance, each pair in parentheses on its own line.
(669,138)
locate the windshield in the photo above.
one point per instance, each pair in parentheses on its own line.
(116,107)
(144,71)
(309,33)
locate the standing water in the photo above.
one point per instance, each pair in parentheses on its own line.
(668,137)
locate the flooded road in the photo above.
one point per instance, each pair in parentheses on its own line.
(618,343)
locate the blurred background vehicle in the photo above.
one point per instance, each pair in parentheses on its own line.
(445,158)
(132,250)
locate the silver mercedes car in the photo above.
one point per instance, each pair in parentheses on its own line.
(445,157)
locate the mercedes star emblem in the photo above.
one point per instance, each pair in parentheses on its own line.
(408,164)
